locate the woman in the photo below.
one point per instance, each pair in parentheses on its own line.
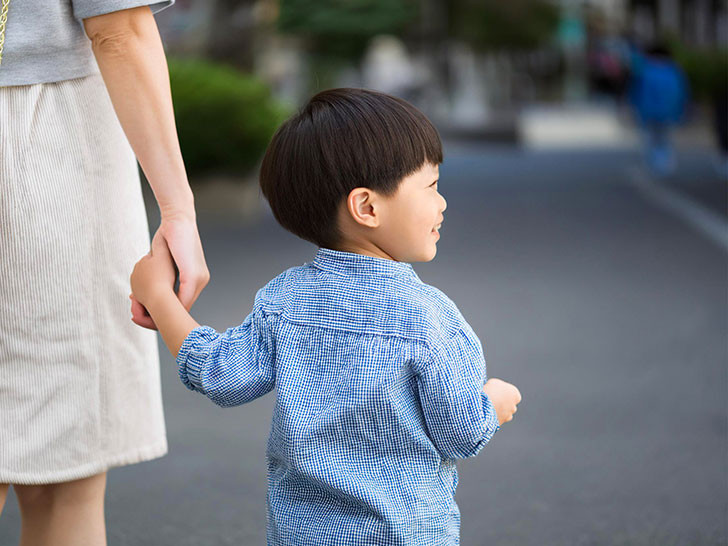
(79,382)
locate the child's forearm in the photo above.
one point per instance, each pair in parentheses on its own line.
(172,320)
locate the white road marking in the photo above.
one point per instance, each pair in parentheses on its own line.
(709,223)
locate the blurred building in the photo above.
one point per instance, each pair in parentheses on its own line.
(702,23)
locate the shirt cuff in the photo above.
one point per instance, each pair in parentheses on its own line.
(490,427)
(491,419)
(193,354)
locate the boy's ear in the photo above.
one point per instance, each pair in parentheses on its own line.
(363,207)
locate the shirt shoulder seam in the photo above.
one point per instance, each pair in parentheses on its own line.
(290,320)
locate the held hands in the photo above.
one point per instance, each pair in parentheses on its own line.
(179,232)
(152,282)
(153,274)
(505,398)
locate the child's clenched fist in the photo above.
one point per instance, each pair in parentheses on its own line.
(505,398)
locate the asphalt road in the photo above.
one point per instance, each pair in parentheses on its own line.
(608,312)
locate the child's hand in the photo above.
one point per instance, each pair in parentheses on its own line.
(154,273)
(504,396)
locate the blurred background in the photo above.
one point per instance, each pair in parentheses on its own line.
(586,172)
(535,73)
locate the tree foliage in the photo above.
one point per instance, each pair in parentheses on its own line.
(706,69)
(342,28)
(488,25)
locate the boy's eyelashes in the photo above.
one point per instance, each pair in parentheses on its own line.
(434,183)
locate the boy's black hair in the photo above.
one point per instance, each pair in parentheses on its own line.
(340,140)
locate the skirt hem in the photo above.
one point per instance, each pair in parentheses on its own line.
(148,453)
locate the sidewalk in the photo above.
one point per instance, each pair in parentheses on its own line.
(592,125)
(575,126)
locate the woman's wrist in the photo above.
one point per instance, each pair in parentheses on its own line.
(182,207)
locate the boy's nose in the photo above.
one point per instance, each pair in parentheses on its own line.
(444,204)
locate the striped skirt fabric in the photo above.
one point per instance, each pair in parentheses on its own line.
(79,382)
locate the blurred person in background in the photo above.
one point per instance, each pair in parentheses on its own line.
(659,96)
(80,390)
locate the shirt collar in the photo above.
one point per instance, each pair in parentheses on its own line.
(343,263)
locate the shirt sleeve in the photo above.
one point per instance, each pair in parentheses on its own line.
(231,368)
(460,417)
(83,9)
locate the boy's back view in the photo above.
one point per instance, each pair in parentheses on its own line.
(379,380)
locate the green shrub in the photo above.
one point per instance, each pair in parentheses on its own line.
(225,118)
(342,30)
(706,69)
(494,25)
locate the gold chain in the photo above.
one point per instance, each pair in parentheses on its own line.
(3,20)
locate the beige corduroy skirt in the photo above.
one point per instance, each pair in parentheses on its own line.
(79,382)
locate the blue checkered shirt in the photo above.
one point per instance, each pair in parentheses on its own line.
(379,390)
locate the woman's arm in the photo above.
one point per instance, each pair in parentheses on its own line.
(130,55)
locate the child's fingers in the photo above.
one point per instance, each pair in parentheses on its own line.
(144,322)
(139,314)
(137,309)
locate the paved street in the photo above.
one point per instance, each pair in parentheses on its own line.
(606,310)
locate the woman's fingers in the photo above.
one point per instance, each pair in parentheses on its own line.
(190,288)
(193,274)
(185,247)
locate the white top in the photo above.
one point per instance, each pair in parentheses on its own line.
(45,40)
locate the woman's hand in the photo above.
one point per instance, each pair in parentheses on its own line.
(179,231)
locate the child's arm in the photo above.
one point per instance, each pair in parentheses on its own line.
(230,368)
(460,417)
(234,367)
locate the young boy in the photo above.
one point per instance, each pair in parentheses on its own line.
(379,379)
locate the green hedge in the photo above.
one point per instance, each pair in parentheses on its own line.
(225,118)
(706,69)
(342,30)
